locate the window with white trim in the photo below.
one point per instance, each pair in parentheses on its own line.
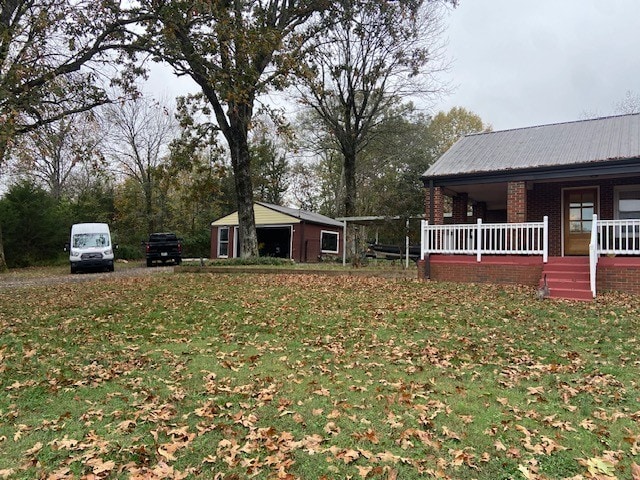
(329,241)
(627,202)
(627,209)
(223,242)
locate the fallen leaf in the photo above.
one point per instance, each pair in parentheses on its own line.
(364,471)
(35,449)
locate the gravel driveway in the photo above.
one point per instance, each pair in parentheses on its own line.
(12,280)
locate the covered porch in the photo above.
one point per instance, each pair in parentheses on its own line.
(518,253)
(567,194)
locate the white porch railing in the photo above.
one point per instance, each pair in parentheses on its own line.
(608,237)
(530,238)
(618,237)
(593,255)
(612,237)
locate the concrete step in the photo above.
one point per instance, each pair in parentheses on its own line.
(584,260)
(566,267)
(571,294)
(566,276)
(569,285)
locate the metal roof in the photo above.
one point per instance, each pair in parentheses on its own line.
(303,215)
(545,146)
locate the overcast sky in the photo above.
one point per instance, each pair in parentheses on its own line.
(520,63)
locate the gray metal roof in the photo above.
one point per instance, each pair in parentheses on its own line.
(303,215)
(555,145)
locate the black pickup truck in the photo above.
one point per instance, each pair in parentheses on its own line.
(163,247)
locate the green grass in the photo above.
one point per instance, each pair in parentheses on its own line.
(310,376)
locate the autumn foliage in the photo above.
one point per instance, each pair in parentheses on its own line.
(301,376)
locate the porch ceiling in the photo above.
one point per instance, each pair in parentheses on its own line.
(493,194)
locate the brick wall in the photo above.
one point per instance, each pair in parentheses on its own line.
(460,207)
(615,274)
(438,205)
(479,211)
(516,202)
(514,270)
(546,199)
(618,274)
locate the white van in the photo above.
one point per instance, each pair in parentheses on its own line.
(90,247)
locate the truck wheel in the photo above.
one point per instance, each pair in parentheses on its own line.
(149,263)
(73,269)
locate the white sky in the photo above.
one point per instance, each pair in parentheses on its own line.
(520,63)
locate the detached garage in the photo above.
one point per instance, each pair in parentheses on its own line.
(283,232)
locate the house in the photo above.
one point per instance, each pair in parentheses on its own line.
(559,201)
(282,232)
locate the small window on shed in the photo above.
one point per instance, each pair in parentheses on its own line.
(329,241)
(223,242)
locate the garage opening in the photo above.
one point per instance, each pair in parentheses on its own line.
(274,242)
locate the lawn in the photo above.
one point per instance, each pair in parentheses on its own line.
(234,376)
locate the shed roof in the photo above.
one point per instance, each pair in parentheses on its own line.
(303,214)
(545,146)
(270,214)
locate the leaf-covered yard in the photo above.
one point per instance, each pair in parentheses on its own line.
(312,377)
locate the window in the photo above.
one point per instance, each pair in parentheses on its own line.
(223,242)
(581,209)
(328,242)
(90,240)
(627,207)
(627,202)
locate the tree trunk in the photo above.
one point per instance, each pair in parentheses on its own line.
(148,205)
(3,262)
(241,163)
(349,181)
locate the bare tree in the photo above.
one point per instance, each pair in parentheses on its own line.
(139,134)
(53,56)
(57,152)
(629,104)
(375,54)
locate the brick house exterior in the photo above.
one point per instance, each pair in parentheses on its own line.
(565,172)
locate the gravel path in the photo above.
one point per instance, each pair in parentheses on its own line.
(8,281)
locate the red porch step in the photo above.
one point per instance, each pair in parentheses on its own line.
(568,277)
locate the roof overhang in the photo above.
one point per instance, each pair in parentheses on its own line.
(566,172)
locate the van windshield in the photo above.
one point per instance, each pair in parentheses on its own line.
(88,240)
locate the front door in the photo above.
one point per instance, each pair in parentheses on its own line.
(579,205)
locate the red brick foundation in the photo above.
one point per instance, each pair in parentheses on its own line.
(618,274)
(615,274)
(507,269)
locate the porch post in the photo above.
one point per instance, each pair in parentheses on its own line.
(517,202)
(516,210)
(434,205)
(460,206)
